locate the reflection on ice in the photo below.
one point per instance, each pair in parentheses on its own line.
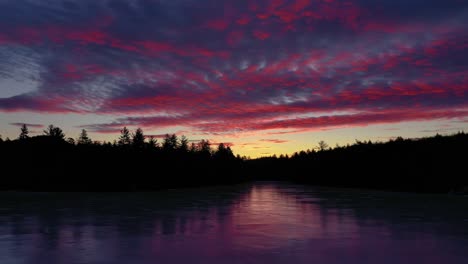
(256,223)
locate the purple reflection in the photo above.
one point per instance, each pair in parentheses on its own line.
(259,223)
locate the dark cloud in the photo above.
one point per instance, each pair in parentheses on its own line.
(19,124)
(230,66)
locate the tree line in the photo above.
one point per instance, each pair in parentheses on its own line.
(137,140)
(138,162)
(134,161)
(430,164)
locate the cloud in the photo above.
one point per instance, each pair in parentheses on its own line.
(219,67)
(27,124)
(276,141)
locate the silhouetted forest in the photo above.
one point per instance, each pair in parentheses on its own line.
(52,162)
(433,164)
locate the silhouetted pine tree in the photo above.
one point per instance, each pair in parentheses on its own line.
(170,142)
(193,147)
(55,132)
(152,142)
(138,139)
(24,133)
(204,148)
(83,139)
(224,152)
(183,146)
(322,145)
(124,139)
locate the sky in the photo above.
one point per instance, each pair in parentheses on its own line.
(266,76)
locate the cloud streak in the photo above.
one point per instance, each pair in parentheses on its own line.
(27,124)
(275,141)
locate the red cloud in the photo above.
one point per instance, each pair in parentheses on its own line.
(364,119)
(155,47)
(261,35)
(3,39)
(360,119)
(299,5)
(88,37)
(243,21)
(276,141)
(234,37)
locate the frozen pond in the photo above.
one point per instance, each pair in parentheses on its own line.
(253,223)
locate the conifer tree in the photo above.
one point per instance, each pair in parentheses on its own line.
(124,138)
(24,133)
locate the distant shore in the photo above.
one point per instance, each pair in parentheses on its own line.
(51,163)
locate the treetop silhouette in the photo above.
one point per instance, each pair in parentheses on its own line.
(24,132)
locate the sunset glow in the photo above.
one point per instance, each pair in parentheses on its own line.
(266,76)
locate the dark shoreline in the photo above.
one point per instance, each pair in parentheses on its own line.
(428,165)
